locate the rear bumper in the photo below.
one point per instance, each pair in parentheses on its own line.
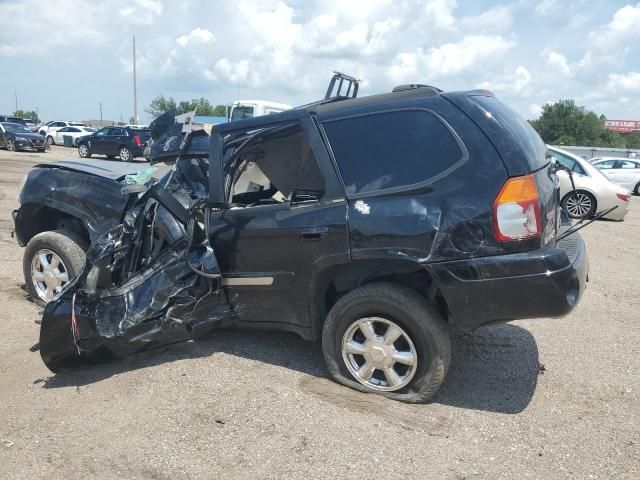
(548,282)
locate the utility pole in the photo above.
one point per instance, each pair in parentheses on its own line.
(16,94)
(135,88)
(100,114)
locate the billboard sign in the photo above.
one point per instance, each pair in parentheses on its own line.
(622,126)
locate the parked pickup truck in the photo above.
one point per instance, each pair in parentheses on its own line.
(366,223)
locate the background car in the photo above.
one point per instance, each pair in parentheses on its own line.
(623,171)
(9,119)
(15,136)
(55,125)
(31,125)
(57,137)
(594,191)
(124,142)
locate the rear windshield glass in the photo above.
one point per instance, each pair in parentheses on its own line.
(144,134)
(522,132)
(391,149)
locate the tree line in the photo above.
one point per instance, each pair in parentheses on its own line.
(565,123)
(160,105)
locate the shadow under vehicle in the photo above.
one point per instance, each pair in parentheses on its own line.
(366,223)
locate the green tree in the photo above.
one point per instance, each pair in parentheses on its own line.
(565,123)
(27,114)
(160,105)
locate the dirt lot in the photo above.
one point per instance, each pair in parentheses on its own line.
(548,398)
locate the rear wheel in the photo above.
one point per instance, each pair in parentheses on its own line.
(11,145)
(125,154)
(386,339)
(84,151)
(50,140)
(51,260)
(580,204)
(636,190)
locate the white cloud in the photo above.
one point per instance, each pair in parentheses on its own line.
(557,62)
(141,12)
(510,83)
(449,59)
(498,18)
(547,7)
(197,36)
(626,82)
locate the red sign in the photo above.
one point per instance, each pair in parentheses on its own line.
(623,126)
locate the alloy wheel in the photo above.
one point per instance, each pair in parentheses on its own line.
(379,354)
(83,150)
(579,204)
(11,145)
(125,156)
(48,274)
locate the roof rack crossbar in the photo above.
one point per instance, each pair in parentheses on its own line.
(352,85)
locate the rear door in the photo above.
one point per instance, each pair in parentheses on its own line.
(627,173)
(287,224)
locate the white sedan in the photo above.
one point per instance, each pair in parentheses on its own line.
(623,171)
(57,137)
(594,191)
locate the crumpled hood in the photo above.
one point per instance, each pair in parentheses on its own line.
(102,168)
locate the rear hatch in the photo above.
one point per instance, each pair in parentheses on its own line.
(522,150)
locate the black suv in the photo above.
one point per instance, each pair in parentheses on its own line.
(124,142)
(369,223)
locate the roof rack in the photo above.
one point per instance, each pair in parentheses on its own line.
(340,79)
(413,86)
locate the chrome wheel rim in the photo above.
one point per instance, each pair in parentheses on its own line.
(579,204)
(11,146)
(83,150)
(49,274)
(379,354)
(124,155)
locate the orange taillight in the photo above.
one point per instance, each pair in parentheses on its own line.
(516,210)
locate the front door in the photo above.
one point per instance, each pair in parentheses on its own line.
(286,224)
(98,141)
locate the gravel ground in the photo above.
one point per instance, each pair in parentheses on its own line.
(546,398)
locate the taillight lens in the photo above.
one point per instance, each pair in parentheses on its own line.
(624,198)
(516,211)
(138,140)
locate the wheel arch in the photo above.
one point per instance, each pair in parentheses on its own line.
(337,280)
(41,218)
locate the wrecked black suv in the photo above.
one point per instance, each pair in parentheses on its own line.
(369,223)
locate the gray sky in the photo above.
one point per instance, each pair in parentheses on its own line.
(65,56)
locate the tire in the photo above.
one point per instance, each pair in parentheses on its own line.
(50,140)
(70,250)
(42,132)
(125,154)
(584,208)
(11,145)
(41,150)
(636,189)
(386,304)
(83,151)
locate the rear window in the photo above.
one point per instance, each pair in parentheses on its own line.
(533,148)
(142,133)
(392,149)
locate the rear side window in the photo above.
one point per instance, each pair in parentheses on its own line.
(392,149)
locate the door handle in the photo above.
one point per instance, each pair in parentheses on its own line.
(313,233)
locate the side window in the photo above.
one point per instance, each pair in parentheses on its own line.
(391,149)
(568,162)
(102,132)
(626,164)
(605,165)
(271,166)
(65,129)
(72,129)
(60,124)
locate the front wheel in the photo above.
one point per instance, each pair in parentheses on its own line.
(579,205)
(11,145)
(387,339)
(51,260)
(125,154)
(84,151)
(50,140)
